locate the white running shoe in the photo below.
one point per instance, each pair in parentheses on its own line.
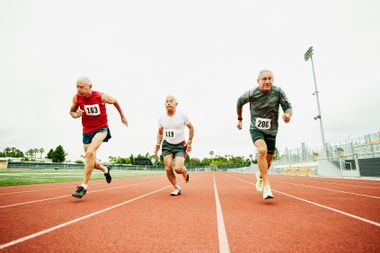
(267,193)
(176,192)
(259,182)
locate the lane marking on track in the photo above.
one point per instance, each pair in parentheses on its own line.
(42,189)
(60,187)
(66,196)
(350,185)
(45,231)
(319,205)
(222,235)
(323,182)
(31,236)
(328,189)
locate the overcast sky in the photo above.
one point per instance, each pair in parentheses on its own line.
(206,53)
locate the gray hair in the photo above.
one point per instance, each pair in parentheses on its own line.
(84,79)
(264,71)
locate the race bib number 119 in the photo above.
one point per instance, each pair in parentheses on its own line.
(170,133)
(262,123)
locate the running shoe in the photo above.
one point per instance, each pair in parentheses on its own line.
(259,182)
(186,176)
(108,175)
(176,192)
(267,193)
(79,193)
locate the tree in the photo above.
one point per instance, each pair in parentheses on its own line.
(211,153)
(59,154)
(187,160)
(132,159)
(11,152)
(50,154)
(41,150)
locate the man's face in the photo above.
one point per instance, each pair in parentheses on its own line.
(265,81)
(170,103)
(83,89)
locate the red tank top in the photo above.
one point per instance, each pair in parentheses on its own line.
(94,116)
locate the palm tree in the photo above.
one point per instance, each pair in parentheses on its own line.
(41,150)
(211,153)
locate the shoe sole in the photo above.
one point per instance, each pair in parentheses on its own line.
(77,196)
(108,174)
(179,193)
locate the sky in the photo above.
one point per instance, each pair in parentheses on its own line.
(205,53)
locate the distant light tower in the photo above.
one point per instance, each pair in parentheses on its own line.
(309,55)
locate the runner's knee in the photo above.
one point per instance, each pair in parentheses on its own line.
(89,155)
(262,151)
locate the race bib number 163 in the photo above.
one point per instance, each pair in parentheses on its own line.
(92,110)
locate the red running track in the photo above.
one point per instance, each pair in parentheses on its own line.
(217,212)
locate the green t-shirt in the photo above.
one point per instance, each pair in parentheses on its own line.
(264,108)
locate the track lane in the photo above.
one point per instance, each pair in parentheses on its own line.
(20,221)
(362,206)
(285,224)
(156,223)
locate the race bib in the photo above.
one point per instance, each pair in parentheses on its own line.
(262,123)
(92,110)
(170,133)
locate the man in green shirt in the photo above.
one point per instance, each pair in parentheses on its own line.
(264,101)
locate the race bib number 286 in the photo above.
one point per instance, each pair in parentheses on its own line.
(262,123)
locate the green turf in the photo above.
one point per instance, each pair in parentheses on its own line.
(29,176)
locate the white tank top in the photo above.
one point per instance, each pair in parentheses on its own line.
(174,127)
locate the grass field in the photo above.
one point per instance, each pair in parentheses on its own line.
(31,176)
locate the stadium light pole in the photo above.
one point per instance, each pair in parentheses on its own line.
(309,55)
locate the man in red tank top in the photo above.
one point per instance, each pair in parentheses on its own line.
(90,105)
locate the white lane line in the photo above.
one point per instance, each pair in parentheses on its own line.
(328,189)
(222,235)
(318,181)
(320,205)
(350,185)
(42,189)
(66,196)
(50,188)
(31,236)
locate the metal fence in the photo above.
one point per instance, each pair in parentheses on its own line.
(361,154)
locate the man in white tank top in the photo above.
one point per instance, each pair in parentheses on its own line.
(172,131)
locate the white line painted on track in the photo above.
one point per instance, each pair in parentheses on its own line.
(66,196)
(323,182)
(328,189)
(222,235)
(319,205)
(43,189)
(34,235)
(31,236)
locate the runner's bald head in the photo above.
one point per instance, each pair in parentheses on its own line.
(264,71)
(172,99)
(84,80)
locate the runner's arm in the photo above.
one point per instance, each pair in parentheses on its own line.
(160,135)
(74,112)
(242,100)
(191,135)
(110,100)
(286,107)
